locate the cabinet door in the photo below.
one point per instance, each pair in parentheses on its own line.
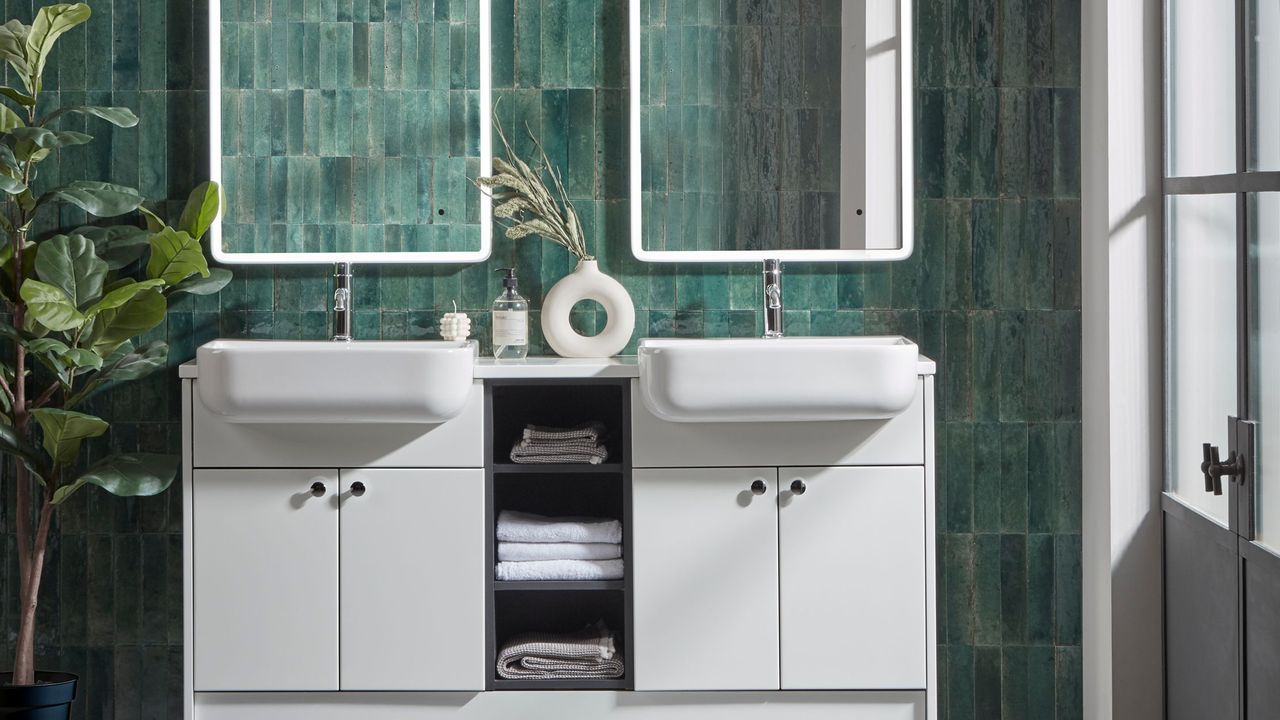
(413,580)
(852,556)
(706,579)
(265,557)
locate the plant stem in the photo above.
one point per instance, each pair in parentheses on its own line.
(29,559)
(24,671)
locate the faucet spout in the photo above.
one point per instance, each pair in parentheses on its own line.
(342,302)
(772,299)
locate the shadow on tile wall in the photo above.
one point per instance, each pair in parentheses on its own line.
(993,292)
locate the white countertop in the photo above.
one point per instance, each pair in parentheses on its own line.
(554,367)
(558,367)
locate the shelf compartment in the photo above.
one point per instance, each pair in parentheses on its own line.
(577,684)
(563,610)
(558,585)
(557,405)
(557,469)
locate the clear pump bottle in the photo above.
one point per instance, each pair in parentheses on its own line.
(510,320)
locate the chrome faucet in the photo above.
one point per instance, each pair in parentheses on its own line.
(772,299)
(342,302)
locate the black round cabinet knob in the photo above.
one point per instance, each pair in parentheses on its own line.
(317,489)
(798,487)
(357,488)
(759,487)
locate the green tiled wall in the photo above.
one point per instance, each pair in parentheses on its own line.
(992,292)
(740,123)
(351,127)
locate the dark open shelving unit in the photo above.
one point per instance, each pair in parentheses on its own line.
(602,490)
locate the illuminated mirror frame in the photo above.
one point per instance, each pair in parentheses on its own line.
(905,132)
(362,258)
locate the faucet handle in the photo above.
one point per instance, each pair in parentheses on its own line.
(341,300)
(775,296)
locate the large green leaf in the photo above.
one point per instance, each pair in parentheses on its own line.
(28,139)
(201,210)
(11,186)
(176,256)
(17,96)
(136,475)
(64,430)
(96,198)
(50,306)
(141,313)
(13,444)
(13,48)
(50,23)
(124,291)
(124,364)
(118,116)
(72,264)
(9,120)
(119,245)
(218,279)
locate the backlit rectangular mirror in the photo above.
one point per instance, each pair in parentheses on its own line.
(348,132)
(766,130)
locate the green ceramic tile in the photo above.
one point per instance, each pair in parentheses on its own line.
(1014,451)
(959,702)
(987,591)
(958,477)
(986,477)
(1013,589)
(987,682)
(1067,590)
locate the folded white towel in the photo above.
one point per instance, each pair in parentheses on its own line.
(523,552)
(529,528)
(559,570)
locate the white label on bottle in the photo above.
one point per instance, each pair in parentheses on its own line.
(510,327)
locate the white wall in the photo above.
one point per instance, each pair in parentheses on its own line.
(1122,363)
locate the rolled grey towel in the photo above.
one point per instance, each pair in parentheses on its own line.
(588,653)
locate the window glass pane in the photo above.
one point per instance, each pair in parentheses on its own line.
(1200,94)
(1264,357)
(1202,339)
(1264,84)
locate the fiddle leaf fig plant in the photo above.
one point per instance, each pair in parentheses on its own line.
(76,304)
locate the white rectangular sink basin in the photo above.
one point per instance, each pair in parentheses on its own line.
(778,379)
(287,381)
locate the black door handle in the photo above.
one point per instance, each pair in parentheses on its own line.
(1214,469)
(357,488)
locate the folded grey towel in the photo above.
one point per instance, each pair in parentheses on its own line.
(588,431)
(576,452)
(588,653)
(559,570)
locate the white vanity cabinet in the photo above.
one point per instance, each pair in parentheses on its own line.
(743,583)
(368,579)
(785,556)
(706,568)
(265,580)
(773,570)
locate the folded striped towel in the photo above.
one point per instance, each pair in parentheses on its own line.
(577,452)
(559,570)
(524,552)
(529,528)
(588,653)
(588,431)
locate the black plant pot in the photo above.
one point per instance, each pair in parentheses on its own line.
(49,699)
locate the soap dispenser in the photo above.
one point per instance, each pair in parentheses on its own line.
(510,320)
